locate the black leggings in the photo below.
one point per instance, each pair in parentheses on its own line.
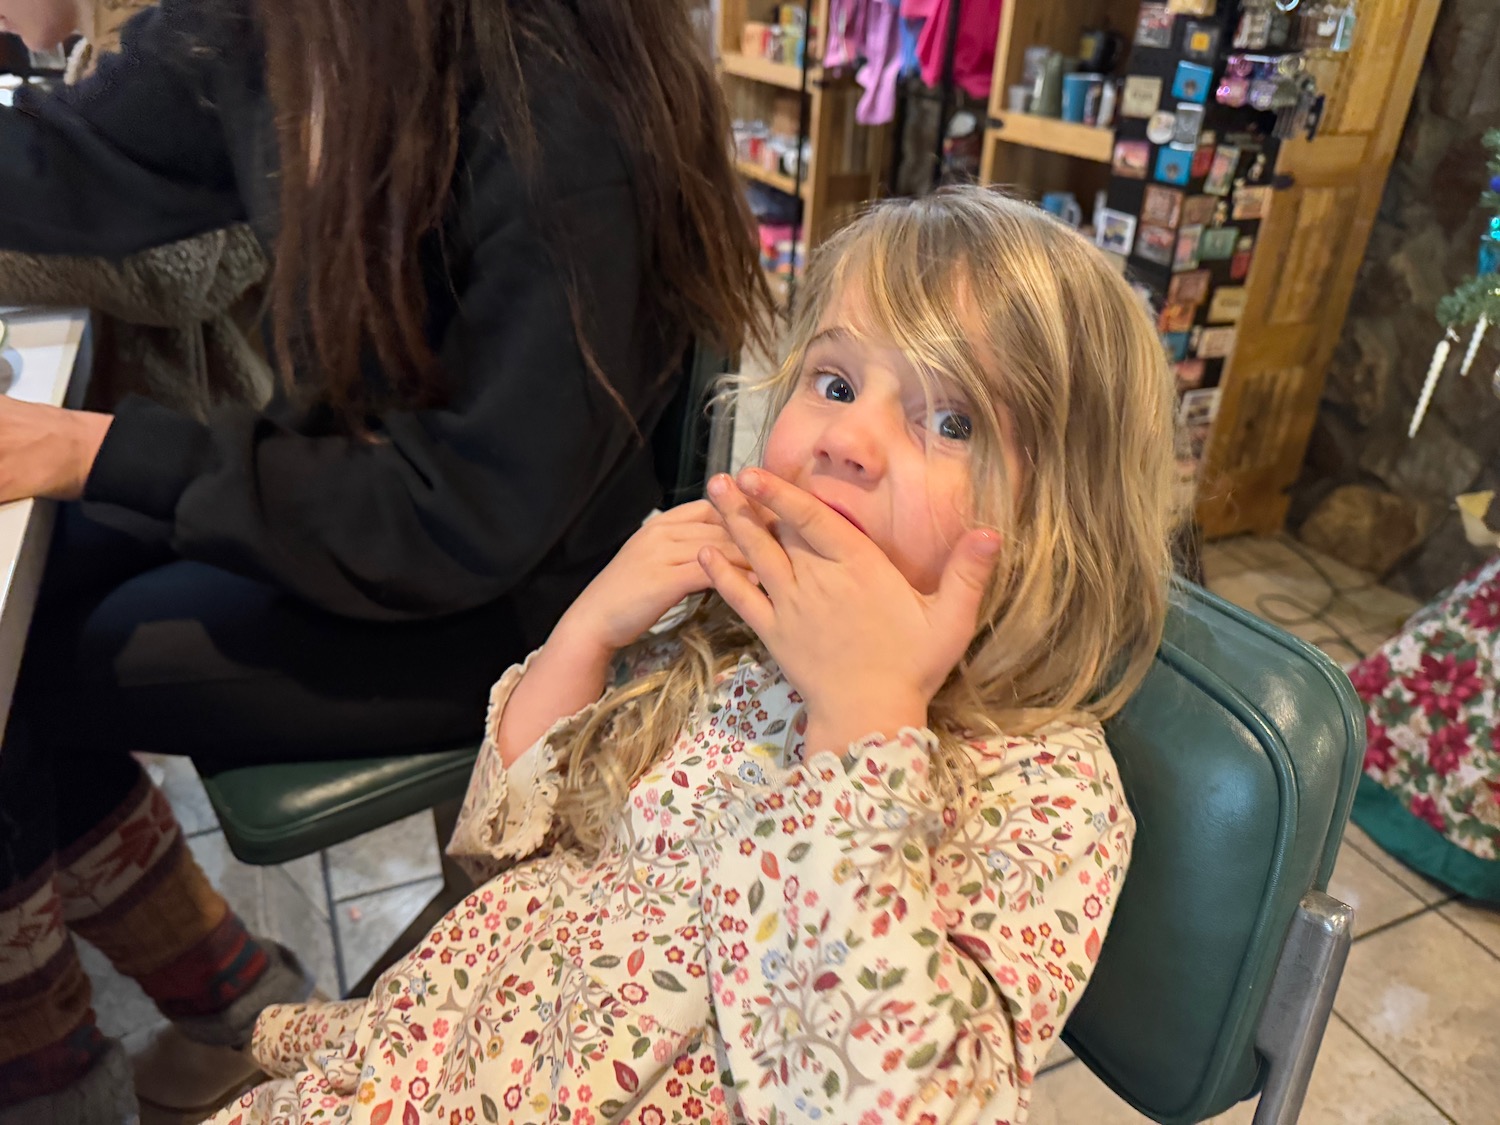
(135,649)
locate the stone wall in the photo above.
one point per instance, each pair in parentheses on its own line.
(1374,495)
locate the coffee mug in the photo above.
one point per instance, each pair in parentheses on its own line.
(1075,95)
(1063,204)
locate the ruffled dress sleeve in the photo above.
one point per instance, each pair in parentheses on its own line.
(508,812)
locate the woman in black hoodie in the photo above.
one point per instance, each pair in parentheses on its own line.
(496,227)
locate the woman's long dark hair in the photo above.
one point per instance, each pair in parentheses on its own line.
(390,76)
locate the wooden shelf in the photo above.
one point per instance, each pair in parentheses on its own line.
(771,179)
(1087,142)
(786,75)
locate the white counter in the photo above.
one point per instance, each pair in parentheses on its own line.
(45,358)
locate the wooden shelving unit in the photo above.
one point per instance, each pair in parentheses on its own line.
(770,179)
(1051,135)
(1308,249)
(847,166)
(785,75)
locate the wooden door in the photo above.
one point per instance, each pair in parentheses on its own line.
(1310,248)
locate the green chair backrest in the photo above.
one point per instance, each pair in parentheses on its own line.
(1239,756)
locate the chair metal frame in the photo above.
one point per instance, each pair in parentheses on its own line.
(1299,1003)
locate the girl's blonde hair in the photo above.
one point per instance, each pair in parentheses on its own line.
(1060,360)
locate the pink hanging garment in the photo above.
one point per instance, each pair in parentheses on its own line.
(973,50)
(882,69)
(846,32)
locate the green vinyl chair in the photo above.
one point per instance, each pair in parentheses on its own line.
(277,813)
(1239,755)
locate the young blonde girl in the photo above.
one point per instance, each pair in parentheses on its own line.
(842,843)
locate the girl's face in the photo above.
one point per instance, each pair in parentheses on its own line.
(857,433)
(41,24)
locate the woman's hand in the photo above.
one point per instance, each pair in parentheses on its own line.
(866,651)
(47,451)
(656,569)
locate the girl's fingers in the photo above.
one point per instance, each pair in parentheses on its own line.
(765,555)
(739,589)
(819,526)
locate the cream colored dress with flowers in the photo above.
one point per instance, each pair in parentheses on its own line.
(767,939)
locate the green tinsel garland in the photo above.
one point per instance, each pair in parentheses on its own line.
(1479,297)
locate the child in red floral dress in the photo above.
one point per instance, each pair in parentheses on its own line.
(841,842)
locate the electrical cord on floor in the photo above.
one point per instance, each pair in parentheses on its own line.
(1295,613)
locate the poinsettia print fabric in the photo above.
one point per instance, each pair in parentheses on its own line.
(766,939)
(1430,697)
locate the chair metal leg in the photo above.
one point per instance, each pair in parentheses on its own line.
(1300,1002)
(456,884)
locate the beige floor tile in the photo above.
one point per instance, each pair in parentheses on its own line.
(1480,920)
(1376,897)
(366,926)
(1225,557)
(1061,1053)
(1351,1085)
(1425,996)
(392,856)
(1424,888)
(301,925)
(1071,1095)
(184,789)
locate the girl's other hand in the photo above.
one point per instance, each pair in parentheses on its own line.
(656,569)
(866,650)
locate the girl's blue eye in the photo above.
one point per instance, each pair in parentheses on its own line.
(834,387)
(952,425)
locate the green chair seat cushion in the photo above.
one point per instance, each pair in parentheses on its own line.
(1239,756)
(273,814)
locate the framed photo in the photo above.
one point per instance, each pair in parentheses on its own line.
(1251,202)
(1221,173)
(1141,96)
(1153,28)
(1228,305)
(1176,344)
(1186,125)
(1216,343)
(1155,244)
(1174,165)
(1186,255)
(1132,159)
(1162,206)
(1116,233)
(1199,407)
(1176,318)
(1192,82)
(1218,243)
(1190,288)
(1198,210)
(1200,41)
(1189,373)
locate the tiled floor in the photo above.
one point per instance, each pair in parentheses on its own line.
(1415,1036)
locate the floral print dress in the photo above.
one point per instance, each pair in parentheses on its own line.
(767,939)
(1431,787)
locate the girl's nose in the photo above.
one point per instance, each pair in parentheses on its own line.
(856,440)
